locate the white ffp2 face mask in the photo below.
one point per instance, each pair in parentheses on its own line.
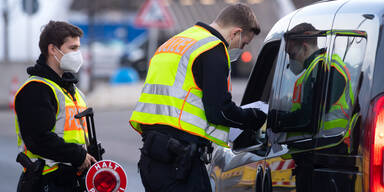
(294,65)
(235,53)
(71,61)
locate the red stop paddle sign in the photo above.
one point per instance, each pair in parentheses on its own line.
(106,176)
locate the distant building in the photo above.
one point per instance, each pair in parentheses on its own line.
(24,30)
(117,17)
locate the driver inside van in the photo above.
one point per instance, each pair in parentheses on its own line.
(307,63)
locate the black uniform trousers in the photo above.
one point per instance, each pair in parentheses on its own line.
(62,180)
(160,169)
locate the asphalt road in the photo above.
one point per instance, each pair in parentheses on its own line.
(120,142)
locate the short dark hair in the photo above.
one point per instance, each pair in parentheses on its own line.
(240,15)
(301,31)
(55,32)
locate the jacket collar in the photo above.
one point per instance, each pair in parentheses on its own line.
(309,60)
(213,32)
(42,69)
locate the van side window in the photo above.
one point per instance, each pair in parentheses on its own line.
(260,80)
(296,105)
(344,68)
(258,89)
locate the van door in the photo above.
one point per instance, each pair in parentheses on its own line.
(335,165)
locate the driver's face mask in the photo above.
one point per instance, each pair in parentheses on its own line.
(294,65)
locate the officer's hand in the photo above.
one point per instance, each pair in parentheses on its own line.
(87,162)
(259,118)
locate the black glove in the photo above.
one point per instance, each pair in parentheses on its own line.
(258,119)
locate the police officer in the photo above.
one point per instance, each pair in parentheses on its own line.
(45,106)
(186,101)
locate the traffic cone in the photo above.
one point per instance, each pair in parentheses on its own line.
(12,91)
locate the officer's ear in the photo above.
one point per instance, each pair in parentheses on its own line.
(234,32)
(51,49)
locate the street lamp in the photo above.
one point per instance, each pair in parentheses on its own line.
(6,24)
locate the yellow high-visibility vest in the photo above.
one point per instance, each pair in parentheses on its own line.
(170,95)
(69,128)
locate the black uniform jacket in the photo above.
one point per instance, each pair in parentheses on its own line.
(210,71)
(36,108)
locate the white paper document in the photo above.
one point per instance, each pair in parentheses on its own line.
(235,132)
(259,105)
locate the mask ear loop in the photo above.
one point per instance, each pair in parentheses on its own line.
(59,50)
(55,55)
(230,42)
(240,41)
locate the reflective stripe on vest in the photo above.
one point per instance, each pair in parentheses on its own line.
(337,118)
(352,124)
(298,87)
(170,95)
(66,126)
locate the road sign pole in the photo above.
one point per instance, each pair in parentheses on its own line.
(91,40)
(152,44)
(6,28)
(153,15)
(29,9)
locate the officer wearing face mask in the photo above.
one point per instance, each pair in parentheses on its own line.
(186,103)
(45,106)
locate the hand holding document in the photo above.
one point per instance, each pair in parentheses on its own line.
(235,132)
(259,105)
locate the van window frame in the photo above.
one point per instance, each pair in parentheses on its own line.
(272,119)
(331,35)
(252,93)
(326,142)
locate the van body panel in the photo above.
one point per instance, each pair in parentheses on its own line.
(278,30)
(351,15)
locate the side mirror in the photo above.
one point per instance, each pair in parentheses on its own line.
(251,148)
(247,141)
